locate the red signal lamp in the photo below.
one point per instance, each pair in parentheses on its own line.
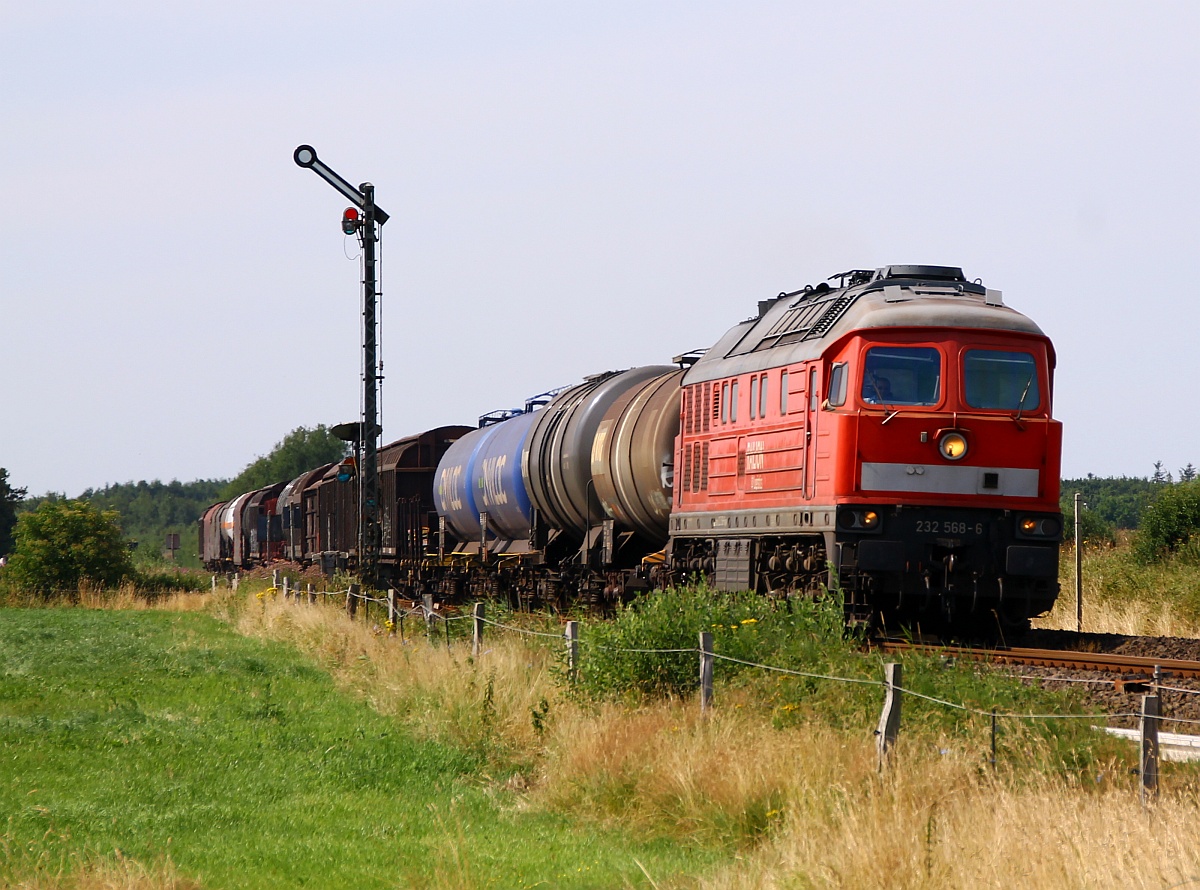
(350,221)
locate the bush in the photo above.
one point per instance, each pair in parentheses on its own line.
(744,626)
(63,543)
(1094,528)
(151,582)
(1170,522)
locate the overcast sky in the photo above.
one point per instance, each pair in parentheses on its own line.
(573,187)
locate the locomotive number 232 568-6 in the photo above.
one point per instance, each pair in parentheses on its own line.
(948,527)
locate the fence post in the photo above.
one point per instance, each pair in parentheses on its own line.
(889,720)
(312,595)
(993,739)
(275,578)
(572,636)
(706,671)
(352,600)
(1149,759)
(234,583)
(287,588)
(391,611)
(1078,564)
(427,603)
(214,583)
(477,630)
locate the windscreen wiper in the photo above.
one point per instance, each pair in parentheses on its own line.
(1024,395)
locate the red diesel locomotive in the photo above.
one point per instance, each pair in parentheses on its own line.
(894,432)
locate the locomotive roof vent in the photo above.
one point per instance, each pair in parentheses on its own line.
(925,273)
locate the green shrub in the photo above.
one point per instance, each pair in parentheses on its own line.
(745,626)
(1170,522)
(62,543)
(1094,528)
(154,581)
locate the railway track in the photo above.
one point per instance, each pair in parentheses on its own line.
(1102,662)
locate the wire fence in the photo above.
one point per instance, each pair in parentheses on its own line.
(887,734)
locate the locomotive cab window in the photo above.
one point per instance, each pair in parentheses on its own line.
(902,375)
(997,380)
(837,386)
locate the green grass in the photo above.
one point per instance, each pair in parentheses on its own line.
(809,637)
(168,735)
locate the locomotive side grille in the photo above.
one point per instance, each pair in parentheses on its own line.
(706,417)
(836,310)
(687,410)
(704,467)
(716,404)
(810,320)
(687,468)
(696,467)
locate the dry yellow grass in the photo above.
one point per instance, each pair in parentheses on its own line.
(109,873)
(941,824)
(797,808)
(438,692)
(126,597)
(1123,597)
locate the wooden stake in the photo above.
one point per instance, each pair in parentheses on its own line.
(1149,745)
(572,636)
(352,600)
(889,719)
(477,630)
(706,671)
(391,611)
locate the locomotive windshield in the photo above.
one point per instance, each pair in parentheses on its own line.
(1001,380)
(902,375)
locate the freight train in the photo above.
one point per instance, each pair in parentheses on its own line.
(887,431)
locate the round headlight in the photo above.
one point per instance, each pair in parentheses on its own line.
(953,446)
(1029,525)
(870,519)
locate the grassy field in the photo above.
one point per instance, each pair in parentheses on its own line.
(258,742)
(1123,595)
(782,779)
(158,748)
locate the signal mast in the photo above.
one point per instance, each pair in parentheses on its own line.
(363,219)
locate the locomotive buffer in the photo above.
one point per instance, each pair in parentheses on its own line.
(372,216)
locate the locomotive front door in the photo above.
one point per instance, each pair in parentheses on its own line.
(812,410)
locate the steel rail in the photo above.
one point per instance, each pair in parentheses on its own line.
(1060,658)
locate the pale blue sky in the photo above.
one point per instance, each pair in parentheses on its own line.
(574,187)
